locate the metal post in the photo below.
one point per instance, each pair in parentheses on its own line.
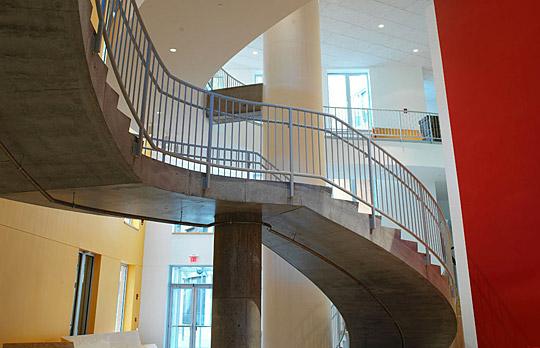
(144,99)
(248,164)
(371,186)
(424,224)
(99,34)
(401,124)
(291,171)
(209,146)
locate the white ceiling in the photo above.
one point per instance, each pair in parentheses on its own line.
(351,37)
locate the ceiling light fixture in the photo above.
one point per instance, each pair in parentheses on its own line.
(255,53)
(416,50)
(172,50)
(381,26)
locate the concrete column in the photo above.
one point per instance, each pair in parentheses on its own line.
(293,76)
(236,297)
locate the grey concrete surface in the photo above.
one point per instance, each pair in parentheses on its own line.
(236,294)
(59,119)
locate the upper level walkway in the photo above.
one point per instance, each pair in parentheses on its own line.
(379,124)
(65,144)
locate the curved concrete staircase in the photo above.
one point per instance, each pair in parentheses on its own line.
(65,144)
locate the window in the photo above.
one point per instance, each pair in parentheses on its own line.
(192,229)
(340,335)
(349,99)
(190,307)
(83,291)
(258,78)
(121,301)
(136,224)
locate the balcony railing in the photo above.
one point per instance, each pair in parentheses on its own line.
(222,79)
(181,124)
(386,124)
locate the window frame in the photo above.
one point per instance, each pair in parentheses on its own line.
(347,74)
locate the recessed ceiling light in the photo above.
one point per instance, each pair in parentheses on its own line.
(172,50)
(416,50)
(381,26)
(255,52)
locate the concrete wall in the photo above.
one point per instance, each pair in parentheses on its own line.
(39,248)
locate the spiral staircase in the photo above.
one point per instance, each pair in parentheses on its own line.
(65,144)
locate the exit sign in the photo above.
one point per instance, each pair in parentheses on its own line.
(193,259)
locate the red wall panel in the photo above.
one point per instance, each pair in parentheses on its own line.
(491,61)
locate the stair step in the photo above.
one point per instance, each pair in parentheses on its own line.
(412,245)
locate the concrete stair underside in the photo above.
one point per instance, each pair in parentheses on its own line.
(59,119)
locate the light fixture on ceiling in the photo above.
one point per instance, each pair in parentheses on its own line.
(255,53)
(172,50)
(416,50)
(381,26)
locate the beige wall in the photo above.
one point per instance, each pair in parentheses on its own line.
(38,260)
(295,312)
(208,33)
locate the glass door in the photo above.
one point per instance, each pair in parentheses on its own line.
(203,316)
(190,307)
(83,291)
(190,316)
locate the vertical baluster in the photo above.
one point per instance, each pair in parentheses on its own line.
(291,175)
(209,143)
(371,184)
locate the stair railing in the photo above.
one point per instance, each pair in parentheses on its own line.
(298,145)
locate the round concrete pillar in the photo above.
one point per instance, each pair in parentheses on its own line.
(292,76)
(236,296)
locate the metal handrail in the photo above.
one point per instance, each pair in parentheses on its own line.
(222,79)
(247,159)
(298,145)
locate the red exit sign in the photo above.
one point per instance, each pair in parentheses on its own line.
(193,259)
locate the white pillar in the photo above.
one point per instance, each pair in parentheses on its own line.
(295,312)
(293,77)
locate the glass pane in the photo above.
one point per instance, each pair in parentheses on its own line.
(181,306)
(359,90)
(203,314)
(85,294)
(180,337)
(121,300)
(191,229)
(202,337)
(191,275)
(337,94)
(219,82)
